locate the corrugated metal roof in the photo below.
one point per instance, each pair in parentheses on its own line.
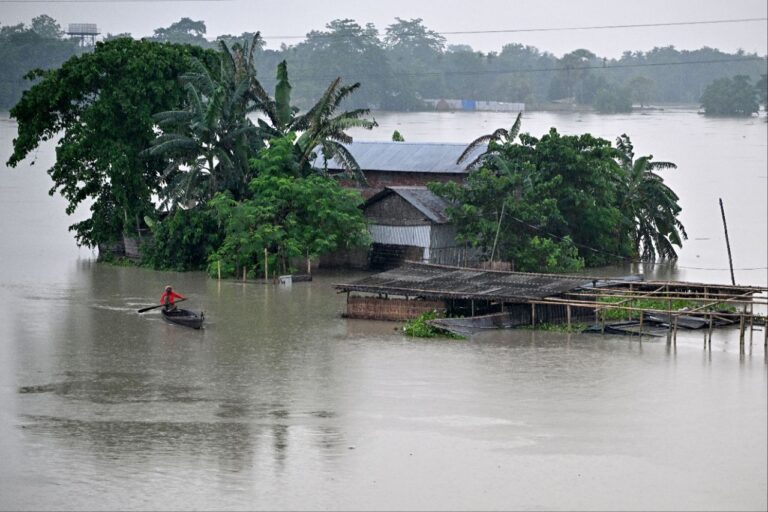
(444,282)
(421,198)
(436,157)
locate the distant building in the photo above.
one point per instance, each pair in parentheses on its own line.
(86,32)
(470,105)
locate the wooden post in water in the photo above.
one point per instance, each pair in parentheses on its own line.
(741,329)
(711,325)
(266,265)
(765,333)
(727,242)
(674,331)
(533,314)
(245,273)
(568,315)
(602,321)
(218,268)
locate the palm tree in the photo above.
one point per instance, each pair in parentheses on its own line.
(320,128)
(208,144)
(650,205)
(494,141)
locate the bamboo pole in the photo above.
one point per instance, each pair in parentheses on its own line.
(727,242)
(568,314)
(266,265)
(218,269)
(533,314)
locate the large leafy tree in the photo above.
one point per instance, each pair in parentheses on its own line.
(209,141)
(288,215)
(345,49)
(730,97)
(649,205)
(101,103)
(413,50)
(40,46)
(544,204)
(184,31)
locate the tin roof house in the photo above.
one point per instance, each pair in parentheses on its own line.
(411,223)
(386,163)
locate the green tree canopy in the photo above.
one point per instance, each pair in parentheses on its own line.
(287,214)
(102,103)
(730,97)
(563,201)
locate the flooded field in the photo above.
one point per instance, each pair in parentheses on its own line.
(279,403)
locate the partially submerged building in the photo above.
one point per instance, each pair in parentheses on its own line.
(493,298)
(415,288)
(412,223)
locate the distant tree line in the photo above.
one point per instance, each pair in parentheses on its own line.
(408,62)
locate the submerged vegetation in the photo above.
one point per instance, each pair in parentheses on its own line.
(677,305)
(420,328)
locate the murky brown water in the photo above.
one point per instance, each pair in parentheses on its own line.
(281,404)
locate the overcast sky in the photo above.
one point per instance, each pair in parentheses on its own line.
(297,17)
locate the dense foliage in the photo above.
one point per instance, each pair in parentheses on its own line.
(407,62)
(558,203)
(183,240)
(103,103)
(289,214)
(731,97)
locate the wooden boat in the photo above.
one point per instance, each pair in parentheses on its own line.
(184,317)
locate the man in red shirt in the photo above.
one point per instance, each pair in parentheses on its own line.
(168,297)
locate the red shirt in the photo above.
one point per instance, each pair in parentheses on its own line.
(169,297)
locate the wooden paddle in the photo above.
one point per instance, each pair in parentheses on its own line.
(142,310)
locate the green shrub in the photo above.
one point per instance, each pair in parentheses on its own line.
(419,328)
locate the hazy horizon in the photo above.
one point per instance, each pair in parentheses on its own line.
(522,23)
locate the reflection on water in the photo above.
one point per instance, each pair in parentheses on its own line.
(278,403)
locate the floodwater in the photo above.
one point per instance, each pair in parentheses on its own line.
(281,404)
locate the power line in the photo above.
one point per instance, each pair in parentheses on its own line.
(101,1)
(298,77)
(560,29)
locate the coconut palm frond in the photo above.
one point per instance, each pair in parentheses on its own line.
(472,147)
(515,130)
(334,150)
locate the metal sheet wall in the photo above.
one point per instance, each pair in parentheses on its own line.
(418,236)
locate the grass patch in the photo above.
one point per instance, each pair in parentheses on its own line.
(419,328)
(575,327)
(662,305)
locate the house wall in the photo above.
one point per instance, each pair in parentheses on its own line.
(393,210)
(400,310)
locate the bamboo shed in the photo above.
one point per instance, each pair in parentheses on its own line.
(414,288)
(493,298)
